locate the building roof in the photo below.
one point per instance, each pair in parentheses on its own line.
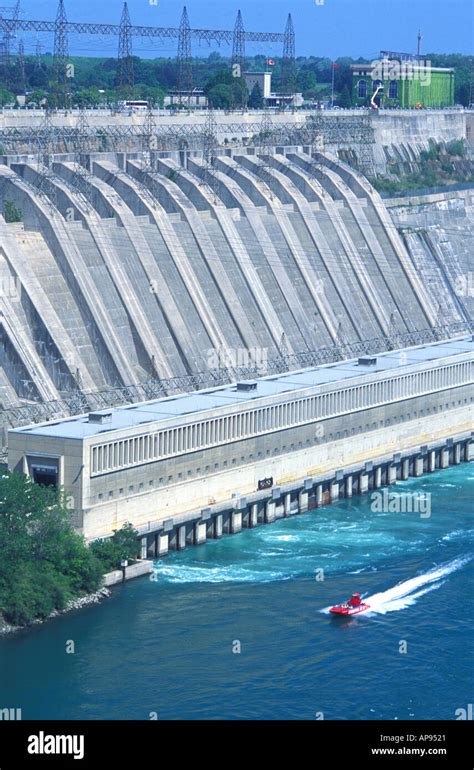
(414,65)
(162,409)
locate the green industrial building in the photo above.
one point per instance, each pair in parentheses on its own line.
(402,80)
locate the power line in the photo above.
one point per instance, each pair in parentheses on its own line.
(125,31)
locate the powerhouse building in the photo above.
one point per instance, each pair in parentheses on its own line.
(402,80)
(145,462)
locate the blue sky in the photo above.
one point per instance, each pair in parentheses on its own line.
(323,27)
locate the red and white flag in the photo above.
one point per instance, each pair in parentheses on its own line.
(271,62)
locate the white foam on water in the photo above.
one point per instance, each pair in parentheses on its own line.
(231,574)
(458,533)
(406,594)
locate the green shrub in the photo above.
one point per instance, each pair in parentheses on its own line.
(456,148)
(12,214)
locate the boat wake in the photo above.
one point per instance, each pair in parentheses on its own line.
(406,594)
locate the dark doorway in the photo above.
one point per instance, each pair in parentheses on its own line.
(47,477)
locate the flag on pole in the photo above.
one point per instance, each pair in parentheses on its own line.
(271,62)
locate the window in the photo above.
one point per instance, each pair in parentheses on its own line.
(393,89)
(362,92)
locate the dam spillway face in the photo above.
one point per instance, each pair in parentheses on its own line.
(116,270)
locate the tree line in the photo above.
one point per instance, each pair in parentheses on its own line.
(94,81)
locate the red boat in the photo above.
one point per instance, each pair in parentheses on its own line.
(346,609)
(352,607)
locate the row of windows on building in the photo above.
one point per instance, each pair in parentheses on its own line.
(150,447)
(363,90)
(204,470)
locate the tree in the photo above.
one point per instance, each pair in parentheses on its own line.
(345,97)
(44,563)
(6,97)
(220,96)
(256,98)
(122,545)
(38,97)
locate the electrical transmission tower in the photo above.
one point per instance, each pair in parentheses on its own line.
(80,174)
(125,73)
(265,142)
(21,66)
(45,187)
(209,153)
(61,53)
(238,59)
(10,23)
(365,160)
(440,328)
(288,66)
(148,181)
(317,145)
(5,42)
(38,56)
(282,363)
(392,334)
(341,343)
(185,62)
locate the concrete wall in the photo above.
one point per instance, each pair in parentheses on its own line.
(133,571)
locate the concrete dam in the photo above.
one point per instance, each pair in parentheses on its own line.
(118,275)
(132,277)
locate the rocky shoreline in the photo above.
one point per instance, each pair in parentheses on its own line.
(74,604)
